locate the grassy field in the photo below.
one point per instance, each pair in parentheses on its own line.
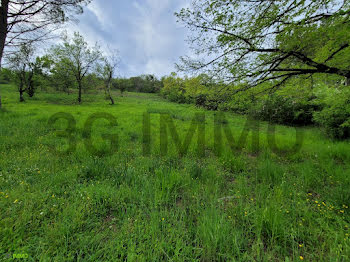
(239,206)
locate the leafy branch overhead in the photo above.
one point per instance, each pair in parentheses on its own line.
(268,41)
(29,21)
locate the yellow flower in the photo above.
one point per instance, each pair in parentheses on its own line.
(163,218)
(245,213)
(229,217)
(316,202)
(341,211)
(301,245)
(301,258)
(53,195)
(15,201)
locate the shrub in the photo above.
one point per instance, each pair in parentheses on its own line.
(283,110)
(335,116)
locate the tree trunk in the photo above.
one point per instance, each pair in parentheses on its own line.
(31,88)
(21,89)
(109,92)
(21,98)
(80,87)
(3,29)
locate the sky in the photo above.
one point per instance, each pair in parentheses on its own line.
(145,32)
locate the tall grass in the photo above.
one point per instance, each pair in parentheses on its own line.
(239,206)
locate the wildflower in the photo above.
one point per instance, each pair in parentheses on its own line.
(316,202)
(301,258)
(53,196)
(341,211)
(229,217)
(245,213)
(163,218)
(15,201)
(301,245)
(310,194)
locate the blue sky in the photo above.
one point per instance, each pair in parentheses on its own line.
(144,31)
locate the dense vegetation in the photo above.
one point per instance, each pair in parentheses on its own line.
(323,102)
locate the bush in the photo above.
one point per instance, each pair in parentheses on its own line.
(201,100)
(335,116)
(283,110)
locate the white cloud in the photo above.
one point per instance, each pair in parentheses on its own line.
(145,32)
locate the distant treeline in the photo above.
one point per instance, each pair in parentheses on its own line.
(56,81)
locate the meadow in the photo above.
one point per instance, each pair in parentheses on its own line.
(238,205)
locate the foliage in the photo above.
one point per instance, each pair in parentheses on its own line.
(26,22)
(6,76)
(23,63)
(335,116)
(174,89)
(283,110)
(61,78)
(264,41)
(145,84)
(75,56)
(122,84)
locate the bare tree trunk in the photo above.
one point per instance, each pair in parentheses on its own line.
(31,88)
(3,29)
(109,92)
(80,87)
(21,98)
(21,91)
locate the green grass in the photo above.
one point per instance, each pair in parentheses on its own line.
(240,206)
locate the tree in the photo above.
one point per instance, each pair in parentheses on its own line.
(61,78)
(28,21)
(22,62)
(77,57)
(123,84)
(36,70)
(110,64)
(270,41)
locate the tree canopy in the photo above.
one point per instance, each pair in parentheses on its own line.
(24,21)
(76,56)
(258,41)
